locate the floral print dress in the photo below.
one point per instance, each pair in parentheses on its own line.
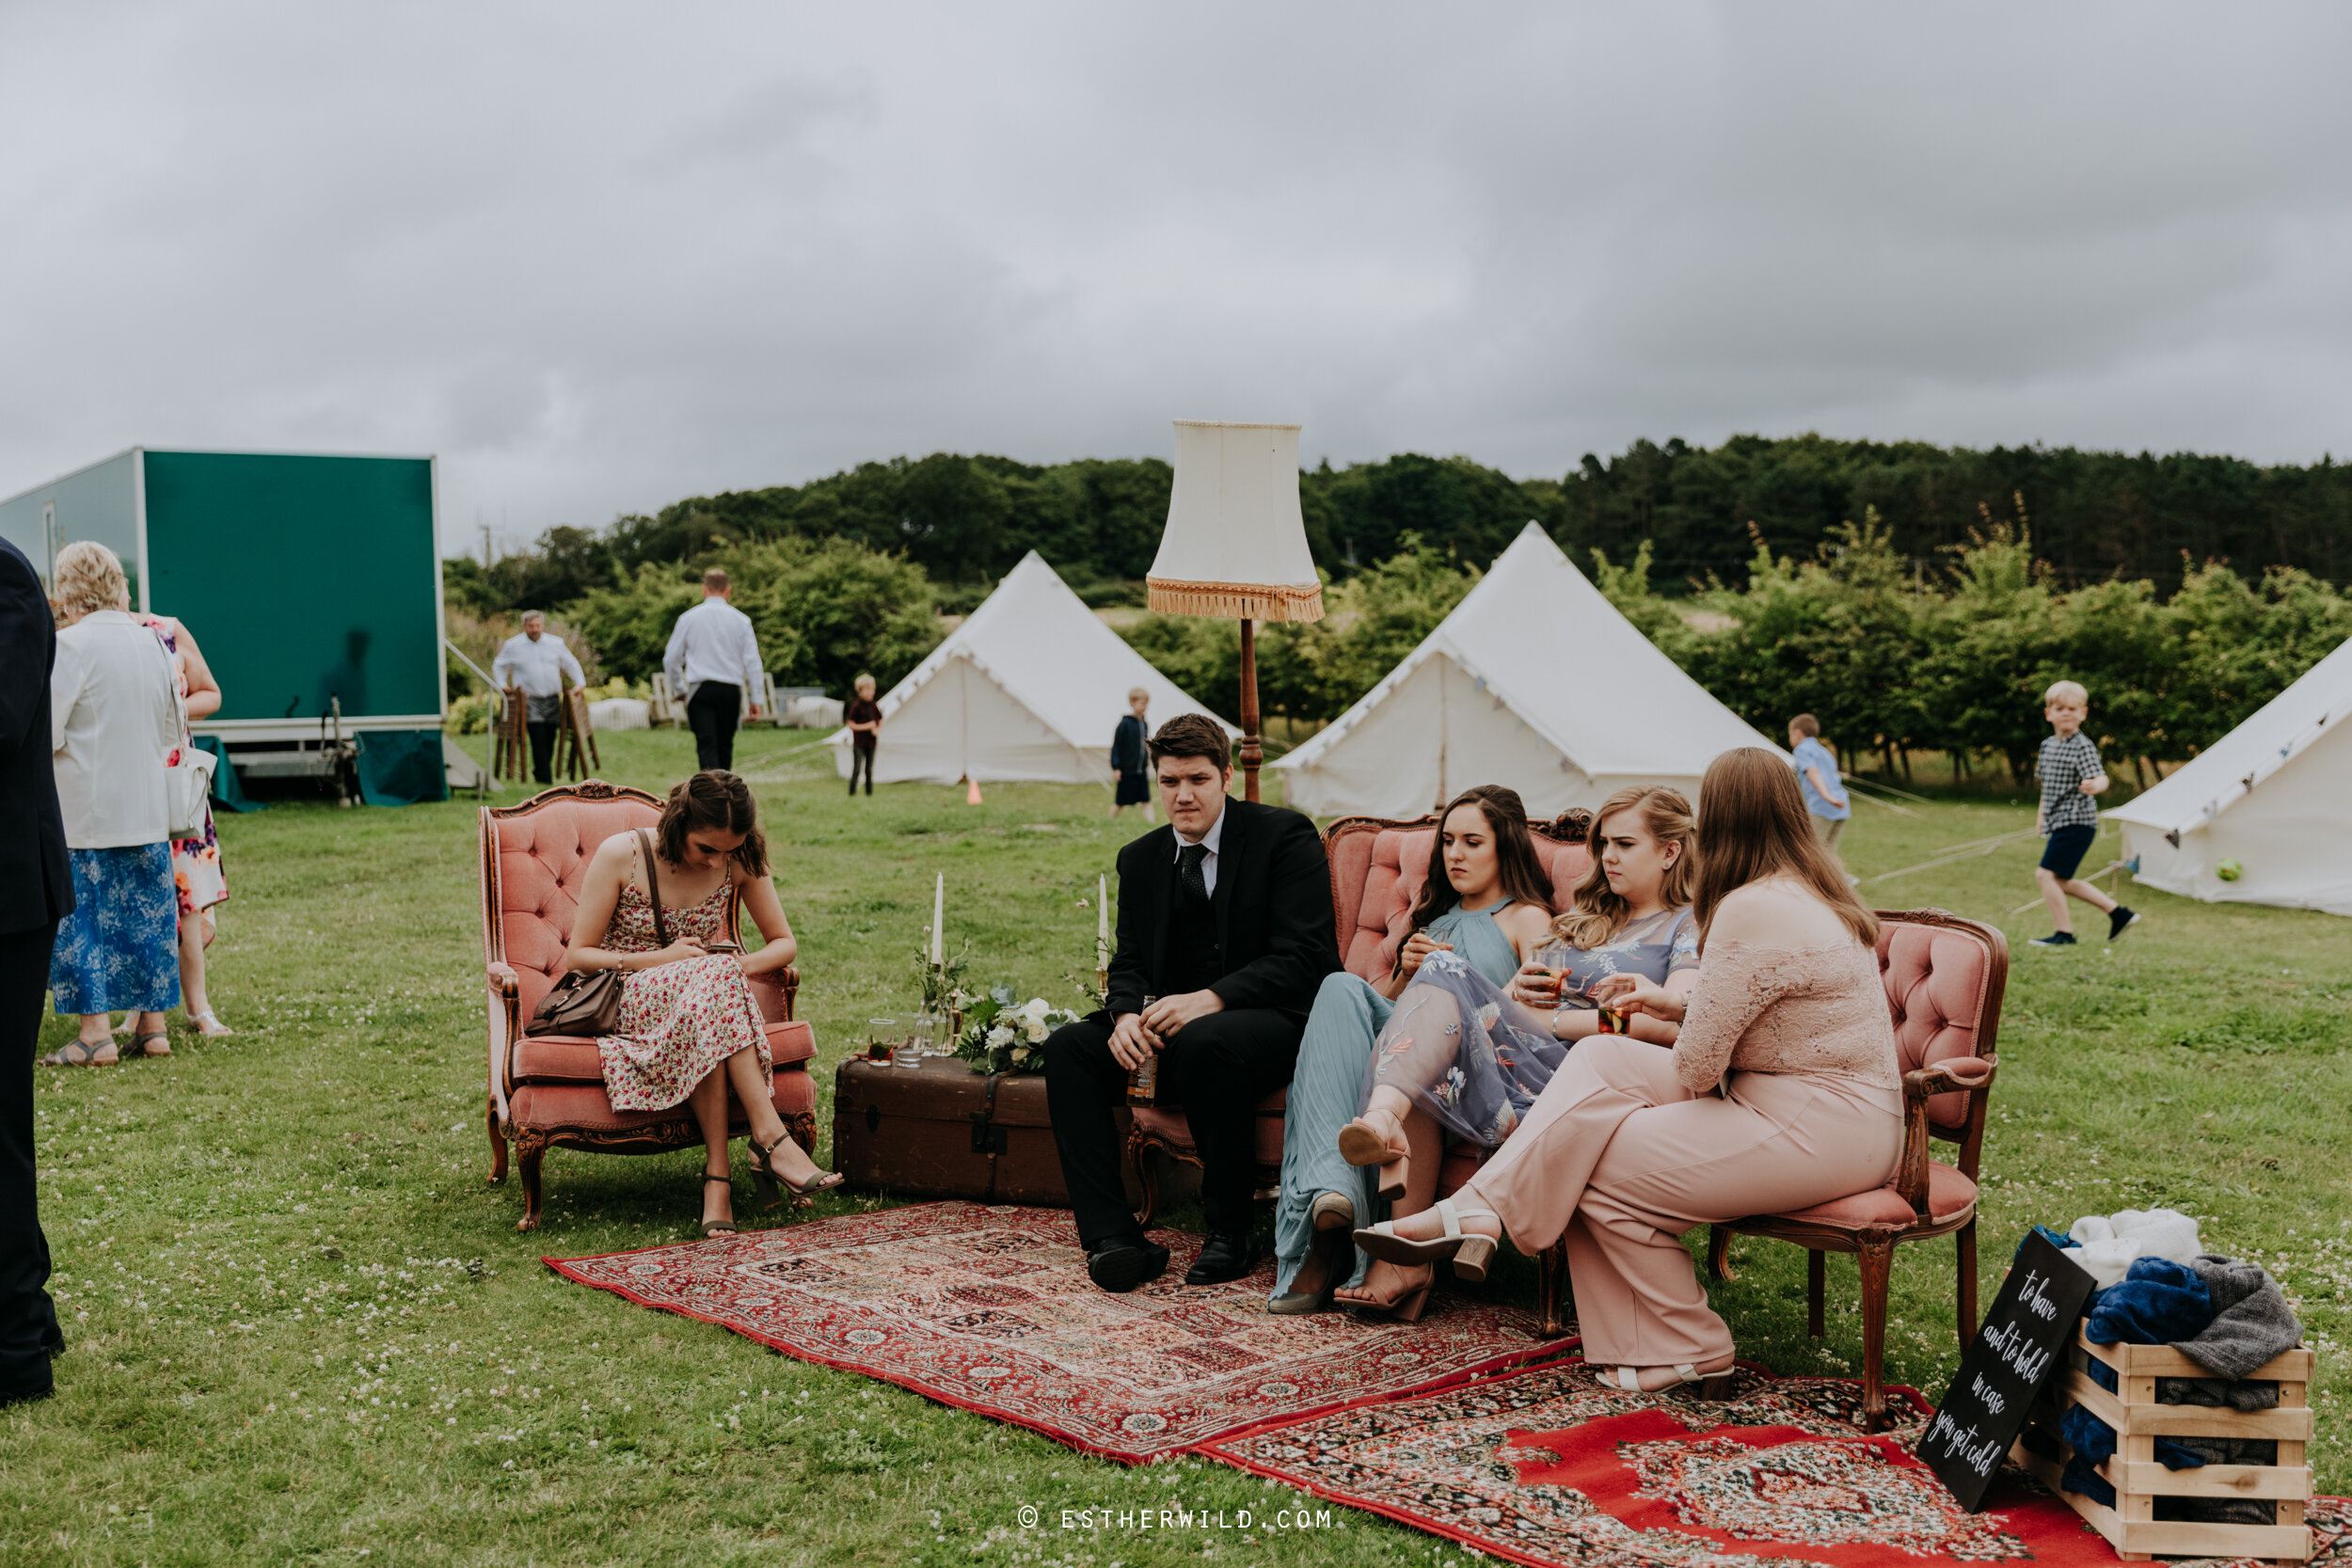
(678,1021)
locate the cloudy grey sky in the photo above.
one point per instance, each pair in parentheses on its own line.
(601,257)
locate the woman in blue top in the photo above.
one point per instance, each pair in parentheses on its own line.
(1485,902)
(1131,764)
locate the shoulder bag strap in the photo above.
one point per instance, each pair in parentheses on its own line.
(653,889)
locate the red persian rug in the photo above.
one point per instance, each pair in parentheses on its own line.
(990,1309)
(1545,1465)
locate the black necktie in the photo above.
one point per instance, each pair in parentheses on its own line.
(1189,861)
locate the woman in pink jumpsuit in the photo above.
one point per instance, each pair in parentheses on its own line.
(1782,1091)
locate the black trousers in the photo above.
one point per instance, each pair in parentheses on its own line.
(28,1320)
(711,712)
(1216,1068)
(541,750)
(861,756)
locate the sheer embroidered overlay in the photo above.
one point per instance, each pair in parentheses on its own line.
(1788,1009)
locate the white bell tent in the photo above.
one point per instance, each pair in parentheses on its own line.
(2267,800)
(1535,681)
(1029,689)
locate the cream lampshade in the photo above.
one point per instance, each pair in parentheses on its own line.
(1236,545)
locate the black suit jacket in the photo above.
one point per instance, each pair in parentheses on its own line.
(32,833)
(1273,899)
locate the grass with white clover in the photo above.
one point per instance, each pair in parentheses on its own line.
(302,1328)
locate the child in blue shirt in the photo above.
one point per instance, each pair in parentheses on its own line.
(1825,798)
(2072,776)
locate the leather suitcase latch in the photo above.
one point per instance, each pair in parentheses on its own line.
(987,1139)
(873,1118)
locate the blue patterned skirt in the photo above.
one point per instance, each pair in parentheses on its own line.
(119,950)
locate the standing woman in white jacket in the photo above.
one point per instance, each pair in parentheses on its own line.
(114,720)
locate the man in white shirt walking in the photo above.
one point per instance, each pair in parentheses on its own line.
(537,663)
(713,656)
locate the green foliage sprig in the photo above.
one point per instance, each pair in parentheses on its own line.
(1001,1035)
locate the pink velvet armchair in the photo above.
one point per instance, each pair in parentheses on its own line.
(1377,869)
(1945,976)
(547,1091)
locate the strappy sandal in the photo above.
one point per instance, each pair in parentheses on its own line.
(1362,1144)
(81,1053)
(718,1228)
(1712,1385)
(139,1046)
(208,1025)
(1403,1309)
(1470,1250)
(766,1177)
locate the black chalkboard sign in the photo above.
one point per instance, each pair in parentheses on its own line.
(2022,1343)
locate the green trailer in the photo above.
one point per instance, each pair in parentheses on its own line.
(313,584)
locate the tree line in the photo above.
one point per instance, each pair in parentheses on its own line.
(965,521)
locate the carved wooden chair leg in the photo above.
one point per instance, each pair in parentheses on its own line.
(1551,1290)
(528,1151)
(1815,1289)
(802,1126)
(497,1146)
(1966,1238)
(1719,1252)
(1877,1258)
(1147,1176)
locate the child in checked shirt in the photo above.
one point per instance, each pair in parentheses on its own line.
(2071,775)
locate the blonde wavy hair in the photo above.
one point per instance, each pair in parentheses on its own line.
(1601,913)
(89,577)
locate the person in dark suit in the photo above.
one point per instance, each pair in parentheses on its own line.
(32,868)
(1224,923)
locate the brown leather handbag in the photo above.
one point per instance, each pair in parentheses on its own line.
(586,1003)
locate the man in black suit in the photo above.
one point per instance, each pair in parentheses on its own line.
(1225,922)
(32,868)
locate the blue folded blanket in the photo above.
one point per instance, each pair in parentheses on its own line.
(2158,1303)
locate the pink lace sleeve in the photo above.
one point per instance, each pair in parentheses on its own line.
(1737,982)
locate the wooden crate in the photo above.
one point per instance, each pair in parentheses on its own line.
(2131,1526)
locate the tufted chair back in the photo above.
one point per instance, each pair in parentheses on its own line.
(1378,869)
(535,858)
(1944,980)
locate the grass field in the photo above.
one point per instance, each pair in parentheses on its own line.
(302,1329)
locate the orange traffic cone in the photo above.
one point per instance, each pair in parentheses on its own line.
(971,792)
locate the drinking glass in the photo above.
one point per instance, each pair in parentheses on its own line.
(930,1034)
(882,1039)
(1554,957)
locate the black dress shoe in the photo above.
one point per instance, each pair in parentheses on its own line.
(1223,1258)
(18,1395)
(1120,1266)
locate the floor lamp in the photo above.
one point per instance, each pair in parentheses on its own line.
(1235,546)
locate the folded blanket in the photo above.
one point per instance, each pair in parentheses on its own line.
(2251,1321)
(2157,1302)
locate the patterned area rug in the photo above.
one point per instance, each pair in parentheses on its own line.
(990,1309)
(1547,1466)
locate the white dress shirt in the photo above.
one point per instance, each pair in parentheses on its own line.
(114,719)
(1214,836)
(713,642)
(538,668)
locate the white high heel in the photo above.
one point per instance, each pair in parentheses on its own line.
(1712,1385)
(1470,1250)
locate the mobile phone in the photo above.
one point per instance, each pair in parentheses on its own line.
(723,947)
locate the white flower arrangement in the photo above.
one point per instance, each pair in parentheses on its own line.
(1001,1035)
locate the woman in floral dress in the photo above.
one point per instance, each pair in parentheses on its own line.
(689,1029)
(197,876)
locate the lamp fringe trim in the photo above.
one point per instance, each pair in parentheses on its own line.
(1235,601)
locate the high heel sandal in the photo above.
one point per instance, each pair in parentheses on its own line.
(1713,1387)
(766,1177)
(1361,1143)
(1330,1246)
(1470,1250)
(208,1025)
(718,1228)
(1405,1309)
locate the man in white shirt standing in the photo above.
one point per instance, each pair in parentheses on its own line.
(713,656)
(537,663)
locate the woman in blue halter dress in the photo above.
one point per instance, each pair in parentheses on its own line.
(1486,898)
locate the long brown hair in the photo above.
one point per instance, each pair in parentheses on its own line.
(1752,825)
(1601,913)
(1517,869)
(713,799)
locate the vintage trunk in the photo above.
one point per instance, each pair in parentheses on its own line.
(940,1130)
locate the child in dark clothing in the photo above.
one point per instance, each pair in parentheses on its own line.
(2071,775)
(864,718)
